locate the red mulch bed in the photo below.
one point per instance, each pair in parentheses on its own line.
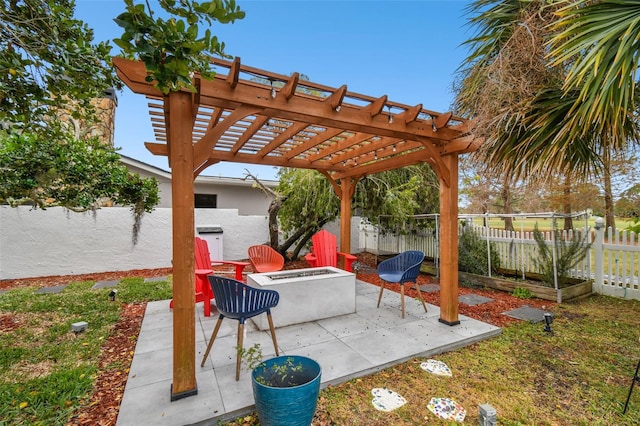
(102,408)
(54,280)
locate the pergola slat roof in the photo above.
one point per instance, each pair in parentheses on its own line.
(247,115)
(253,116)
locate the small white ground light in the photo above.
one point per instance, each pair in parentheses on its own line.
(79,327)
(487,415)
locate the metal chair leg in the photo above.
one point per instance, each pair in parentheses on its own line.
(213,337)
(273,334)
(402,298)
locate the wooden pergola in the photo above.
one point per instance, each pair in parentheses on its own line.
(248,115)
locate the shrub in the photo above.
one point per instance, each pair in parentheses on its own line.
(635,225)
(472,254)
(522,293)
(568,254)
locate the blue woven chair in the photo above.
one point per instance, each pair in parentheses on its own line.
(239,301)
(403,268)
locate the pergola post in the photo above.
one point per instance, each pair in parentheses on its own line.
(449,243)
(347,188)
(180,119)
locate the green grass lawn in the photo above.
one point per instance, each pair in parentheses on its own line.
(46,371)
(579,375)
(544,224)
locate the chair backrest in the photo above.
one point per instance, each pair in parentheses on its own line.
(408,262)
(324,246)
(264,258)
(235,299)
(203,259)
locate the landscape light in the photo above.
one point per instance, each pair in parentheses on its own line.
(548,319)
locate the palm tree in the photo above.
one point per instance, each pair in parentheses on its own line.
(539,89)
(600,44)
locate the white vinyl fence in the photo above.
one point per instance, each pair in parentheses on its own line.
(617,262)
(613,261)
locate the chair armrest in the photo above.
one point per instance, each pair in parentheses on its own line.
(347,256)
(239,266)
(348,261)
(311,259)
(230,262)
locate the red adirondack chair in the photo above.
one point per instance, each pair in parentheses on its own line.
(203,268)
(324,251)
(264,258)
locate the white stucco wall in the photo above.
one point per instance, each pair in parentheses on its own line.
(57,242)
(37,243)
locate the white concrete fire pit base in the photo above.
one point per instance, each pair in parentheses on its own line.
(306,294)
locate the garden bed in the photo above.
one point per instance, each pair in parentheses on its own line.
(575,290)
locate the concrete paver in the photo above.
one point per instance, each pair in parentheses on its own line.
(346,347)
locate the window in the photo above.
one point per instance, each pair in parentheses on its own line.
(206,201)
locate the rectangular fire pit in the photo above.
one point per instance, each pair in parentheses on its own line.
(306,294)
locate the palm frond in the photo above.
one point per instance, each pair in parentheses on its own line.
(599,43)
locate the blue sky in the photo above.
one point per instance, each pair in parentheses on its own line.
(407,50)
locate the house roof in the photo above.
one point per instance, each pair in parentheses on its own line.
(221,180)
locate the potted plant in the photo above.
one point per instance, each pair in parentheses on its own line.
(285,388)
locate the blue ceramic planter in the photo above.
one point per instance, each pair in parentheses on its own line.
(293,405)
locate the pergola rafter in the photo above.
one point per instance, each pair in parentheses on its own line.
(248,115)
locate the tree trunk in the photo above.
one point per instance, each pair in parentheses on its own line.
(566,204)
(305,233)
(274,208)
(505,194)
(302,242)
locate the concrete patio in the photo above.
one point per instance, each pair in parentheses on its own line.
(346,347)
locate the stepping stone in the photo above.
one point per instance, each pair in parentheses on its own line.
(430,288)
(51,290)
(527,313)
(474,299)
(154,279)
(386,400)
(105,284)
